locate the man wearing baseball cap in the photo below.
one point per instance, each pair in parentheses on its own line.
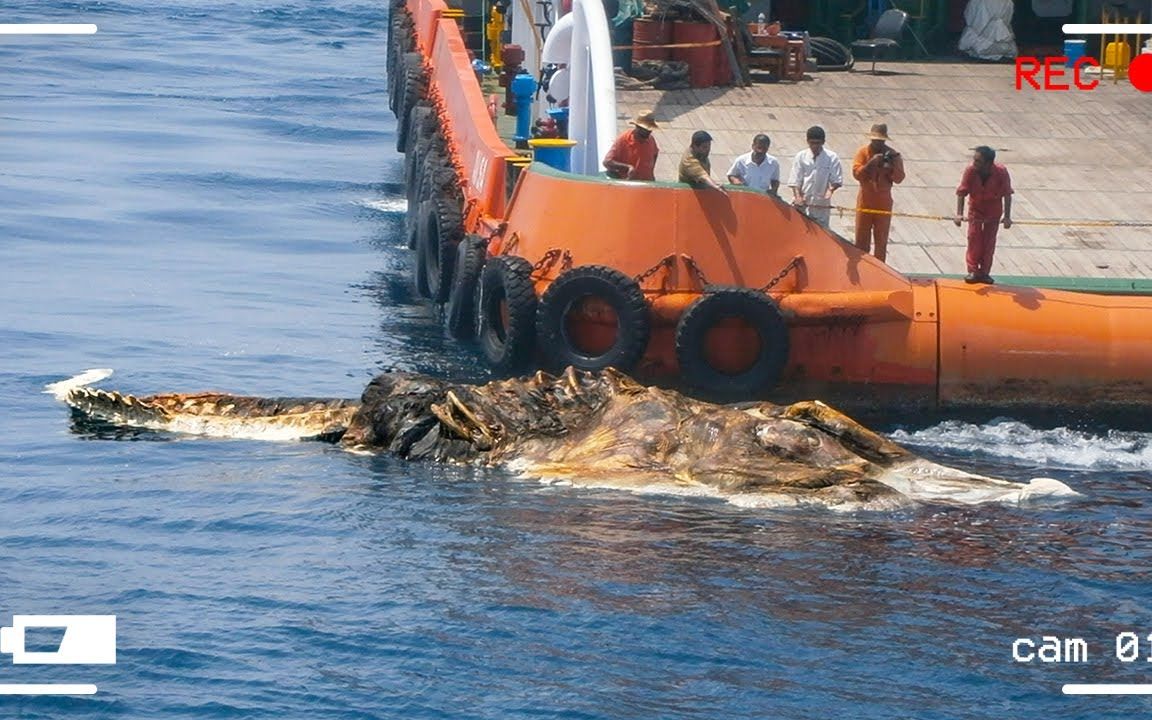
(633,155)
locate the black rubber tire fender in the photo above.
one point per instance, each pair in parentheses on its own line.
(413,171)
(404,46)
(390,60)
(400,41)
(418,115)
(506,313)
(438,178)
(443,228)
(424,126)
(758,311)
(414,85)
(416,241)
(460,314)
(428,182)
(621,292)
(410,215)
(418,145)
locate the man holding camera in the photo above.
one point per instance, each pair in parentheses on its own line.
(877,168)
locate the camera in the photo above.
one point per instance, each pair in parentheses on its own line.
(888,156)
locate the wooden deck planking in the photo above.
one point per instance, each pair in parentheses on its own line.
(1073,155)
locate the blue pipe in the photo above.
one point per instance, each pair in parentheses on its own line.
(523,88)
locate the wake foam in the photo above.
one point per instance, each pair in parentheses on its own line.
(1062,447)
(388,205)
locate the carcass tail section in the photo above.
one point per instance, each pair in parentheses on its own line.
(60,390)
(218,414)
(115,408)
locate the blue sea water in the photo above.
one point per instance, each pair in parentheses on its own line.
(205,195)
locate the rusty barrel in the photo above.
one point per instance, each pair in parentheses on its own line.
(649,36)
(702,58)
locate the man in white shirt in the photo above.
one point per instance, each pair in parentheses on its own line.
(816,174)
(757,169)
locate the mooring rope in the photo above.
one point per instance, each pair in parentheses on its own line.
(1071,222)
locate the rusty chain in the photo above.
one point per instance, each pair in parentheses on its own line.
(792,264)
(549,259)
(513,241)
(498,230)
(691,263)
(665,262)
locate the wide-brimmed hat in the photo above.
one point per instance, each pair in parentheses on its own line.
(645,120)
(879,131)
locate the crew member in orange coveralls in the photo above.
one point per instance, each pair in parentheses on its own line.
(877,167)
(633,155)
(988,184)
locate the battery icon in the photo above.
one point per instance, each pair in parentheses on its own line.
(86,640)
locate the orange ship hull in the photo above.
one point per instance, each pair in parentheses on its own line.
(833,322)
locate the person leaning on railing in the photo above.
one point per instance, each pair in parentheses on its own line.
(757,169)
(633,155)
(695,167)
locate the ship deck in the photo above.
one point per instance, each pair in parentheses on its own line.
(1072,155)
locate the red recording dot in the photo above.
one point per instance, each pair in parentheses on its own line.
(1140,72)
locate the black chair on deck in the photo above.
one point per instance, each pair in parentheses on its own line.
(885,34)
(761,56)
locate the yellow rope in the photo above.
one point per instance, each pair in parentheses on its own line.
(1062,223)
